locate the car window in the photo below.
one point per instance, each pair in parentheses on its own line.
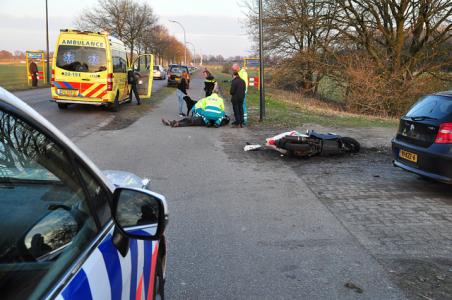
(438,107)
(46,221)
(98,194)
(81,59)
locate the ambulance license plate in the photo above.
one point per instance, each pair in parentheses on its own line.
(408,156)
(68,92)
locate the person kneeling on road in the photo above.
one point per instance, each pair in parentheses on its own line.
(211,109)
(207,111)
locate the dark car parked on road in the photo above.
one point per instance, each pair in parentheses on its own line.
(423,144)
(175,73)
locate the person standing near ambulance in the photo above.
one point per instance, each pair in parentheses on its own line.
(33,69)
(132,79)
(243,74)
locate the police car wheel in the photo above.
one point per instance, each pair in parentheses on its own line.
(159,283)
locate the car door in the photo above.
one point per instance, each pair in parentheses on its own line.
(57,235)
(48,221)
(143,65)
(107,273)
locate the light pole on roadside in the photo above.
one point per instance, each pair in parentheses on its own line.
(194,53)
(261,64)
(185,40)
(47,44)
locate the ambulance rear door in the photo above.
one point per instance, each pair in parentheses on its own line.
(143,65)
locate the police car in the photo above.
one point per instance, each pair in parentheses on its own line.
(68,230)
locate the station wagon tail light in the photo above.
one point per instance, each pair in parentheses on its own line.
(444,135)
(110,82)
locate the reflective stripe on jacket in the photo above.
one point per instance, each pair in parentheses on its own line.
(244,75)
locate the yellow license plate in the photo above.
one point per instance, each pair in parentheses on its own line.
(69,93)
(408,156)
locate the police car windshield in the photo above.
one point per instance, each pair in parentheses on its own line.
(81,59)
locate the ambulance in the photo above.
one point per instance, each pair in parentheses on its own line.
(91,68)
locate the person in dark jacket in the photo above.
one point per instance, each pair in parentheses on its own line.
(181,92)
(209,82)
(132,79)
(33,69)
(238,88)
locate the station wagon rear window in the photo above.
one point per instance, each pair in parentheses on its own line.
(81,59)
(435,107)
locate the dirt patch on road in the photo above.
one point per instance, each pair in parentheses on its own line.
(129,115)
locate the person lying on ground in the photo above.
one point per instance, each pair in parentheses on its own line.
(192,121)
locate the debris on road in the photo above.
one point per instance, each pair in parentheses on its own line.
(309,144)
(354,287)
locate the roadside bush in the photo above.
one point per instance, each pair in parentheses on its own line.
(370,91)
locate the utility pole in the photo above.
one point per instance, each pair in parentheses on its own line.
(185,40)
(47,41)
(261,65)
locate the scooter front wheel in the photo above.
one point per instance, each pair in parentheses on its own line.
(350,145)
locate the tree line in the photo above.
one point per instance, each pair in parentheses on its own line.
(383,54)
(137,26)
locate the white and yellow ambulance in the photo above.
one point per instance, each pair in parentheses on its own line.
(91,68)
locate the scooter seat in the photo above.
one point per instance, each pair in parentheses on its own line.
(328,136)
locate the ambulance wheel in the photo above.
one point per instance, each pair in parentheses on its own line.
(115,105)
(159,282)
(62,105)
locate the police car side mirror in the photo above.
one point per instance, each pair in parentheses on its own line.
(139,214)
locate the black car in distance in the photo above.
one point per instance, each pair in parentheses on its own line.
(423,144)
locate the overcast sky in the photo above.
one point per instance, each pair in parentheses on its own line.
(213,26)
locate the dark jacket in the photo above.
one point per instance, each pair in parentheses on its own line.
(33,68)
(209,85)
(132,77)
(238,88)
(182,86)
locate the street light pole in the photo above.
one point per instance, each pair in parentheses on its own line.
(261,65)
(185,40)
(194,53)
(47,41)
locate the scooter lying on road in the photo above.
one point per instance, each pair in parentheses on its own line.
(309,144)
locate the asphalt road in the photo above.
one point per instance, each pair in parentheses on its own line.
(238,230)
(78,120)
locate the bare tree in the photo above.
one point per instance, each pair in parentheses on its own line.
(124,19)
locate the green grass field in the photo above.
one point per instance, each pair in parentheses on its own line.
(13,77)
(285,110)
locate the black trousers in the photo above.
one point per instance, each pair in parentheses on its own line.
(186,122)
(134,90)
(34,79)
(237,106)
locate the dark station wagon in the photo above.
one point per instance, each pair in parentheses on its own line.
(423,144)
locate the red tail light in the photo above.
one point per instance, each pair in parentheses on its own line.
(444,135)
(53,78)
(110,82)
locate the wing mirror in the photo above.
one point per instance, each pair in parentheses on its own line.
(139,214)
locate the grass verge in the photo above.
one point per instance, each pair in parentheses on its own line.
(13,77)
(285,109)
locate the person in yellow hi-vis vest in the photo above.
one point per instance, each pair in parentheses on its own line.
(244,75)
